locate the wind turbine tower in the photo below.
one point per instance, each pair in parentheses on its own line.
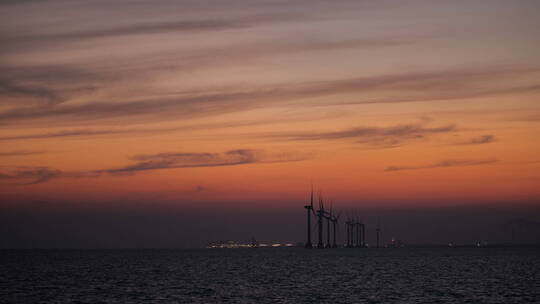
(309,209)
(335,221)
(328,219)
(348,223)
(320,214)
(363,226)
(357,224)
(378,233)
(352,223)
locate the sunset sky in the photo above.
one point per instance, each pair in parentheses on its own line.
(245,104)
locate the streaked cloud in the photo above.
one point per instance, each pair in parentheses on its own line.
(160,161)
(66,133)
(78,133)
(444,164)
(484,139)
(30,175)
(11,42)
(12,89)
(381,137)
(46,85)
(194,160)
(529,118)
(21,153)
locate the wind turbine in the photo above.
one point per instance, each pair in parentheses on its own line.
(320,215)
(328,220)
(335,221)
(348,222)
(352,224)
(358,235)
(378,231)
(363,229)
(309,209)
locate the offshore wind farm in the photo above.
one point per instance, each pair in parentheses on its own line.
(324,230)
(354,239)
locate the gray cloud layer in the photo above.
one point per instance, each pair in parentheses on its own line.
(418,87)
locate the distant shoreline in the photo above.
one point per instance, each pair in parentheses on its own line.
(418,246)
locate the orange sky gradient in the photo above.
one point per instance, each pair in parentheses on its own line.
(375,103)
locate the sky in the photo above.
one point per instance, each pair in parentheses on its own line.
(137,121)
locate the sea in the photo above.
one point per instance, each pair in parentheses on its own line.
(272,275)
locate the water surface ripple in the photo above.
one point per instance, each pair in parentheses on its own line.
(284,275)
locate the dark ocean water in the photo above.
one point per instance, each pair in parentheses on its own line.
(284,275)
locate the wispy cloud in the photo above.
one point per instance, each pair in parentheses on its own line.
(46,85)
(193,160)
(200,188)
(160,161)
(21,153)
(484,139)
(132,132)
(145,28)
(382,137)
(530,117)
(12,89)
(30,175)
(444,164)
(66,133)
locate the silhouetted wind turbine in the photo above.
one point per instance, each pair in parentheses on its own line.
(351,231)
(378,232)
(328,219)
(320,214)
(357,225)
(309,209)
(335,221)
(352,223)
(363,227)
(348,222)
